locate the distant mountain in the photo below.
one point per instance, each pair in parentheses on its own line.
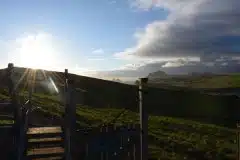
(116,80)
(157,75)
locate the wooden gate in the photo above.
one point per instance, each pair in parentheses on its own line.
(105,142)
(109,141)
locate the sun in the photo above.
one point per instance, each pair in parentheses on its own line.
(37,51)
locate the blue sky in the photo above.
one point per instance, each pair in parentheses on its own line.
(82,26)
(129,38)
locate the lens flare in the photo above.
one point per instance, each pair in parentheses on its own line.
(54,85)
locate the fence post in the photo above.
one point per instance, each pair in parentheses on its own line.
(18,142)
(143,120)
(238,142)
(66,120)
(13,102)
(70,116)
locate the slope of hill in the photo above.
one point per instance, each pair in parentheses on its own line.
(172,132)
(174,102)
(169,138)
(200,81)
(156,75)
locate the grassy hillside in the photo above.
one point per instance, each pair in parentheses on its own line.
(201,81)
(169,138)
(174,102)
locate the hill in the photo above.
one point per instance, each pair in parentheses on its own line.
(173,102)
(183,124)
(199,81)
(169,138)
(156,75)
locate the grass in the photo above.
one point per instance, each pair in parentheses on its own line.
(169,138)
(211,81)
(172,138)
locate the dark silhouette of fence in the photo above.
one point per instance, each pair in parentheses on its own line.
(108,142)
(105,142)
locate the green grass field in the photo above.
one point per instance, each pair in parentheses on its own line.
(169,138)
(210,82)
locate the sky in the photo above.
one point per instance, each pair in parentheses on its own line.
(123,39)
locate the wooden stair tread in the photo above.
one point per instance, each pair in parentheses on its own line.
(53,139)
(40,151)
(42,130)
(49,158)
(45,142)
(44,135)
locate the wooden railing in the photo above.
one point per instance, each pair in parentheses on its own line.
(108,142)
(130,141)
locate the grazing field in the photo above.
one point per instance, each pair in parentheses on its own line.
(183,124)
(171,102)
(200,81)
(169,138)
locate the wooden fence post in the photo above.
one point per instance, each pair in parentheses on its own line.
(70,116)
(9,79)
(143,120)
(238,142)
(18,123)
(13,102)
(66,120)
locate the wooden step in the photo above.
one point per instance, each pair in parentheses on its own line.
(53,139)
(51,158)
(45,135)
(45,142)
(50,153)
(44,132)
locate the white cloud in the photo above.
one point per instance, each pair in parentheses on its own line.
(130,66)
(180,66)
(194,28)
(172,5)
(95,59)
(98,51)
(173,64)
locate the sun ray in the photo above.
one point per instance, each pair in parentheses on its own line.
(44,74)
(26,80)
(21,78)
(34,81)
(59,78)
(30,80)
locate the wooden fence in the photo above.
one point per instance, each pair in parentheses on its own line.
(105,142)
(108,142)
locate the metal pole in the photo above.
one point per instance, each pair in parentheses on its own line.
(143,120)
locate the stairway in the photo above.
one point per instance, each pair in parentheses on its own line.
(45,143)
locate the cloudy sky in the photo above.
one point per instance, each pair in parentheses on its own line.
(121,38)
